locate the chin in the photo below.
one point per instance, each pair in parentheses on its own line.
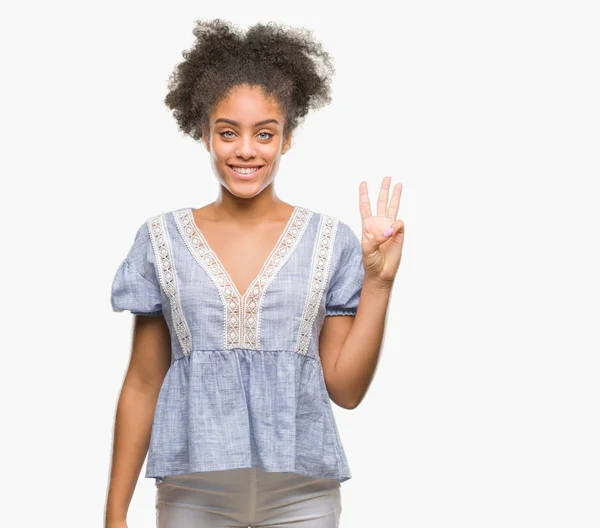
(243,190)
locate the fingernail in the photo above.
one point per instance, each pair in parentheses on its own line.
(388,232)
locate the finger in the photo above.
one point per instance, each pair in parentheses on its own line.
(392,212)
(382,199)
(363,201)
(397,228)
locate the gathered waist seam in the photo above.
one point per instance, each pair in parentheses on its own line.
(232,350)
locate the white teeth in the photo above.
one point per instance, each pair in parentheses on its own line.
(245,170)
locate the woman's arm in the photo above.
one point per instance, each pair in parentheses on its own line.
(350,349)
(350,346)
(150,360)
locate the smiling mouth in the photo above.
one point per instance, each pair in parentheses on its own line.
(245,171)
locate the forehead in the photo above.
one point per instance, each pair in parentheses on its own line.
(247,104)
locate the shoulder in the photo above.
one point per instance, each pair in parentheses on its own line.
(154,222)
(338,237)
(343,233)
(151,227)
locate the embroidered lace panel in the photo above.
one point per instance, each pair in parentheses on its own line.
(242,312)
(320,268)
(168,278)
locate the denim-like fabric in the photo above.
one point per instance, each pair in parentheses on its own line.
(223,407)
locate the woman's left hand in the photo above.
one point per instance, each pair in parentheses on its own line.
(382,235)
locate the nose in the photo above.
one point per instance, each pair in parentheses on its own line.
(245,149)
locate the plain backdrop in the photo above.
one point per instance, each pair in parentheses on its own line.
(484,408)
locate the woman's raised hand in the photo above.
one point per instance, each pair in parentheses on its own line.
(382,235)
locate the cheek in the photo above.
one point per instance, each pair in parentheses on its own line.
(270,152)
(221,151)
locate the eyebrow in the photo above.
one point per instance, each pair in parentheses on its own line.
(234,123)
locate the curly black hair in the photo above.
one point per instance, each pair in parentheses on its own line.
(286,62)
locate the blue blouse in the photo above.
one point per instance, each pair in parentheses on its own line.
(245,386)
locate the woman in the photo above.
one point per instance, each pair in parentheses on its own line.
(237,351)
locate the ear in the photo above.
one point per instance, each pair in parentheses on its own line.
(287,143)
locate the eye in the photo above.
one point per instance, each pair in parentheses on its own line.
(222,134)
(267,133)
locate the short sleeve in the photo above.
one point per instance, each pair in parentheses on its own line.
(135,286)
(346,282)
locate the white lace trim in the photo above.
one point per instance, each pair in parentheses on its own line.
(254,296)
(206,258)
(242,312)
(320,268)
(168,278)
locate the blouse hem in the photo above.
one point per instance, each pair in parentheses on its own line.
(160,476)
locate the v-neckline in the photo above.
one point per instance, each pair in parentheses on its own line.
(266,262)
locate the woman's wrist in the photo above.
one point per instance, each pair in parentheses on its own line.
(377,284)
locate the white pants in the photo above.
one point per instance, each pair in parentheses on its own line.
(247,497)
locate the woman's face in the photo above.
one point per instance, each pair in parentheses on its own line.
(246,141)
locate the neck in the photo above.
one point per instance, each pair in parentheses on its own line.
(266,206)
